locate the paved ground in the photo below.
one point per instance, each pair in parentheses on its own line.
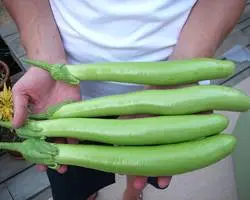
(19,180)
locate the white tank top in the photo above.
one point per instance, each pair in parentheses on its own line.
(118,31)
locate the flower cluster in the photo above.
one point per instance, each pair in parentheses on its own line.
(6,104)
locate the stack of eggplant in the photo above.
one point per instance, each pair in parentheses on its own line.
(179,134)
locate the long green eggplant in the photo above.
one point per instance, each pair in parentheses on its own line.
(140,131)
(180,101)
(149,73)
(160,160)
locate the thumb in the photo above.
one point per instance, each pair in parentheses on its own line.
(140,182)
(20,109)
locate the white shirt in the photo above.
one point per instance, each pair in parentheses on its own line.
(119,30)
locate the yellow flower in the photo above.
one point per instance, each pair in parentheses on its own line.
(6,104)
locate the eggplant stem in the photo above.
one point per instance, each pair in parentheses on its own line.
(57,71)
(6,124)
(10,146)
(41,64)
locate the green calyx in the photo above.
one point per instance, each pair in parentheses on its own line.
(35,150)
(48,114)
(40,152)
(28,130)
(57,71)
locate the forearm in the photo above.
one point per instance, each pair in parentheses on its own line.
(207,26)
(40,37)
(38,31)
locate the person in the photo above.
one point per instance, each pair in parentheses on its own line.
(88,31)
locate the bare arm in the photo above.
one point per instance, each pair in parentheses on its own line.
(39,34)
(41,40)
(207,26)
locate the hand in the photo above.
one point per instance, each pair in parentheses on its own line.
(139,182)
(38,90)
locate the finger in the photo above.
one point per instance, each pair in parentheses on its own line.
(163,182)
(20,109)
(140,182)
(68,140)
(62,169)
(41,168)
(72,141)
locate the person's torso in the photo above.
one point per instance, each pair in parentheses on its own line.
(119,31)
